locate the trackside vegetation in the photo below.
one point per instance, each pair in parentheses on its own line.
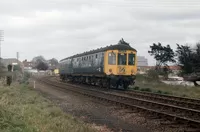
(154,85)
(24,110)
(186,57)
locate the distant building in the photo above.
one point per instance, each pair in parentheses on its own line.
(11,61)
(27,64)
(143,69)
(8,61)
(142,61)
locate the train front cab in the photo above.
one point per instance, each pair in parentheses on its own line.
(121,67)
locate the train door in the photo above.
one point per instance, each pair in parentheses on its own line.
(110,62)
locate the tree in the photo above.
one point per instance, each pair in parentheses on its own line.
(53,64)
(40,63)
(42,66)
(162,54)
(37,59)
(196,58)
(188,60)
(53,61)
(185,55)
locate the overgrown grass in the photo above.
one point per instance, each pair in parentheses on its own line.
(24,110)
(144,83)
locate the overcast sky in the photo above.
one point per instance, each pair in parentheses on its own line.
(61,28)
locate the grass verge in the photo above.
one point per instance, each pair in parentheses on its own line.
(147,84)
(24,110)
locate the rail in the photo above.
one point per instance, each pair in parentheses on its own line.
(172,112)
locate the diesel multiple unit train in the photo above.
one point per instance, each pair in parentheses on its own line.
(111,66)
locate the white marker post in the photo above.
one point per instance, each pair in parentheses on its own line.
(34,84)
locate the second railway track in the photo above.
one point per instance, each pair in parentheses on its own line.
(186,115)
(176,100)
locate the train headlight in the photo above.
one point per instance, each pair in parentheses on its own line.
(110,70)
(132,71)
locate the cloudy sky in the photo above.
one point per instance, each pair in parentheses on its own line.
(60,28)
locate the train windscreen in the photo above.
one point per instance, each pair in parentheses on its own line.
(122,58)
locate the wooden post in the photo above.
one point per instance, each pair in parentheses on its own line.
(34,84)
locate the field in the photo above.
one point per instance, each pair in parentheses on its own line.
(24,110)
(150,85)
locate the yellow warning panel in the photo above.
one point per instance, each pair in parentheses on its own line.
(56,71)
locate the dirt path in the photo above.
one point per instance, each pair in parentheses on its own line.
(89,110)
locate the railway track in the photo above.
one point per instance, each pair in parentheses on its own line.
(161,98)
(176,100)
(187,116)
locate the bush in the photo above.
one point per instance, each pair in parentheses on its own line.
(25,78)
(166,93)
(159,92)
(146,89)
(143,78)
(136,88)
(17,68)
(153,74)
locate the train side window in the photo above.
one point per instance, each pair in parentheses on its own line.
(112,58)
(96,55)
(131,59)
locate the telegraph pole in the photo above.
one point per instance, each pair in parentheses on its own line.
(17,57)
(1,39)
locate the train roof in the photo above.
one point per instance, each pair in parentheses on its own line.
(120,46)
